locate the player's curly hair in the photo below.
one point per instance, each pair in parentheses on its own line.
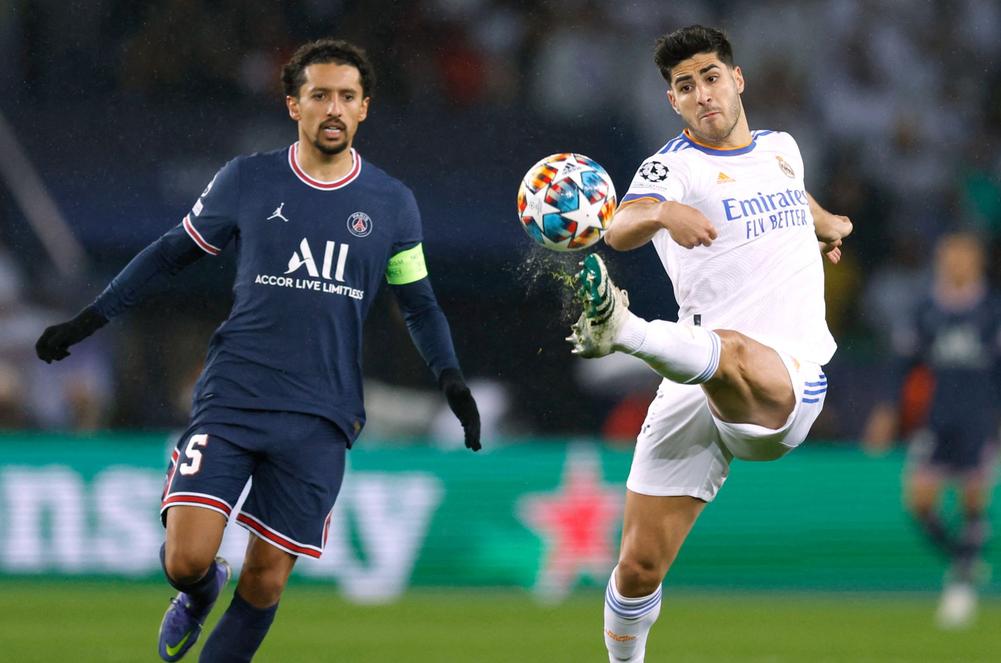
(684,43)
(322,51)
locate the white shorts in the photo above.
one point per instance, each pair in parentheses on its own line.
(683,449)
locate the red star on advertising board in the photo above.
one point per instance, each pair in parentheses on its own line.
(577,522)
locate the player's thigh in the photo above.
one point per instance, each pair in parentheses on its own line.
(192,541)
(752,383)
(923,485)
(265,572)
(296,484)
(749,441)
(653,530)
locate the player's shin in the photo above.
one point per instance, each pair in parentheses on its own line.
(628,622)
(969,546)
(936,532)
(239,633)
(681,353)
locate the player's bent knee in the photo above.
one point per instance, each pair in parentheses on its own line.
(733,353)
(186,566)
(639,576)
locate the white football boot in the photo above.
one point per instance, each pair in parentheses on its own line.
(606,308)
(957,607)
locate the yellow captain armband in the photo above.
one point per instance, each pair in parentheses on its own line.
(407,266)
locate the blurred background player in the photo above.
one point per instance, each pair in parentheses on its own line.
(279,400)
(954,333)
(728,213)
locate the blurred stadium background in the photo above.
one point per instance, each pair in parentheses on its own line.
(113,116)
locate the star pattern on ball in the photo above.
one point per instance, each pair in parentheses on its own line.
(565,202)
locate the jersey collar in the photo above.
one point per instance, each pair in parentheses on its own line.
(719,151)
(293,162)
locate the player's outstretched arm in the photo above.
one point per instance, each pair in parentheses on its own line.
(635,224)
(433,339)
(146,273)
(831,229)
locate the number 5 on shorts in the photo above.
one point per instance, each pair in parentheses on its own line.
(193,454)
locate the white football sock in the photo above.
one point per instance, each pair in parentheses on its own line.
(627,623)
(681,353)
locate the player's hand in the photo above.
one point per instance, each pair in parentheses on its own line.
(688,226)
(831,231)
(55,341)
(880,429)
(462,404)
(831,252)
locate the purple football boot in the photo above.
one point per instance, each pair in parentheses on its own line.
(182,623)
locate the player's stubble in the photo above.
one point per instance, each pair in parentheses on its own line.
(734,109)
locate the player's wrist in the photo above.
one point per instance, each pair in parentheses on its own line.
(667,214)
(89,320)
(450,378)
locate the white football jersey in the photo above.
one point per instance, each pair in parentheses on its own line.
(763,276)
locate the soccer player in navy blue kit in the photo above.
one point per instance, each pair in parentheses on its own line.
(956,333)
(316,230)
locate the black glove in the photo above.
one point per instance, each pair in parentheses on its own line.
(462,404)
(55,341)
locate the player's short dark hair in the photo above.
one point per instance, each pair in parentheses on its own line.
(684,43)
(323,51)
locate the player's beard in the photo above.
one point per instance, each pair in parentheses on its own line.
(330,150)
(720,136)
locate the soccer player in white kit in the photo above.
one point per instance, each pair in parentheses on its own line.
(729,215)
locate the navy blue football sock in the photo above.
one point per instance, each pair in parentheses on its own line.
(970,544)
(202,590)
(935,531)
(239,633)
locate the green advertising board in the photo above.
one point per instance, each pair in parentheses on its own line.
(541,515)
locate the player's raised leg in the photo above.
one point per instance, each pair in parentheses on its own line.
(653,530)
(747,382)
(189,561)
(242,628)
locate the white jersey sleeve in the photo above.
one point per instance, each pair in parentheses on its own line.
(661,177)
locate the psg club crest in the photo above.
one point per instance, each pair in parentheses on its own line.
(653,172)
(360,224)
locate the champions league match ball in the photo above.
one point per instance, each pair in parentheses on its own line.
(566,202)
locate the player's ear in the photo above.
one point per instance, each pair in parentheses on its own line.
(670,98)
(292,103)
(364,109)
(738,76)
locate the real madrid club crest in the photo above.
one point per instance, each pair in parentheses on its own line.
(360,224)
(654,171)
(785,167)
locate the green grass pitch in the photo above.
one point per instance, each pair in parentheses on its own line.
(112,621)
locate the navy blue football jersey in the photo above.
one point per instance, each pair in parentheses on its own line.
(311,256)
(961,347)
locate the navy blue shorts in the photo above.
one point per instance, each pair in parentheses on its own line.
(954,448)
(295,460)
